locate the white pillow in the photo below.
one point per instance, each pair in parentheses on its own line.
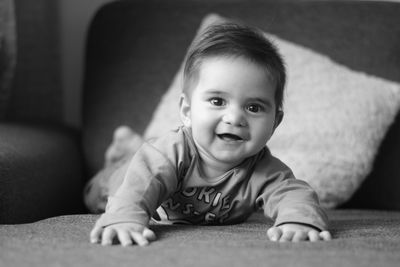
(335,119)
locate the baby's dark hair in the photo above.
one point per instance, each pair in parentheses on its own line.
(235,40)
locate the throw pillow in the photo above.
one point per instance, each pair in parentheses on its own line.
(335,119)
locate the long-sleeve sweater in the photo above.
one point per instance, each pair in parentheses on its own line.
(164,181)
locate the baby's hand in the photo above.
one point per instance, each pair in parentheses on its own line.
(126,233)
(296,232)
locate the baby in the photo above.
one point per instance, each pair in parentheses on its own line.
(216,168)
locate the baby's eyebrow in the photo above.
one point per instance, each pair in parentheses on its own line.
(263,101)
(215,92)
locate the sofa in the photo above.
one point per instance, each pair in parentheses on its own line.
(134,50)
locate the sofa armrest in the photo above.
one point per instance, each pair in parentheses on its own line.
(40,172)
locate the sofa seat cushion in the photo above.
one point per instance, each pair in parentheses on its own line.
(360,238)
(40,173)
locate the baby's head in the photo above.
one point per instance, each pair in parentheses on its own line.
(235,40)
(232,97)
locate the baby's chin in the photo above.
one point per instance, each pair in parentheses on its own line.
(228,151)
(230,158)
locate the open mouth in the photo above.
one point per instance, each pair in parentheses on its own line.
(230,137)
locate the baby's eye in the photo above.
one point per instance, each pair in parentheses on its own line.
(254,108)
(217,101)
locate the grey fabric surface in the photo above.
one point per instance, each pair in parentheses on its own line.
(40,172)
(361,238)
(8,53)
(37,93)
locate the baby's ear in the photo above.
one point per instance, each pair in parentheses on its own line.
(278,118)
(184,110)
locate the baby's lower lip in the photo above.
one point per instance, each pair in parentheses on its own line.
(230,137)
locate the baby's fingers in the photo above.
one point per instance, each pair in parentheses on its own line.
(149,234)
(287,236)
(95,234)
(139,239)
(300,236)
(108,235)
(144,238)
(325,235)
(274,233)
(124,238)
(313,236)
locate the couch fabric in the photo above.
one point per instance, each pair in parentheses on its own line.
(36,94)
(8,53)
(361,238)
(41,173)
(41,169)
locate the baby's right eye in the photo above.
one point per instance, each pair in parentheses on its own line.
(217,101)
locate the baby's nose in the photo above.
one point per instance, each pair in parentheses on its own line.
(235,117)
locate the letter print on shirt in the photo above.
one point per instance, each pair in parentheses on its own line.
(195,205)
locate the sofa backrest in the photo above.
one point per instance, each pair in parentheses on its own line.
(134,49)
(35,93)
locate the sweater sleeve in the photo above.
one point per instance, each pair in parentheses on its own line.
(286,199)
(151,177)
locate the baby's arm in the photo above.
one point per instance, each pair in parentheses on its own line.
(297,232)
(151,176)
(126,233)
(293,205)
(298,216)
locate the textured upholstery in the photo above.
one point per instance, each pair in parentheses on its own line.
(40,173)
(361,238)
(8,53)
(41,169)
(36,94)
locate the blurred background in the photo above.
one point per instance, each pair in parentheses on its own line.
(52,35)
(75,16)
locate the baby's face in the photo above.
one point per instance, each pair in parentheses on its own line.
(232,109)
